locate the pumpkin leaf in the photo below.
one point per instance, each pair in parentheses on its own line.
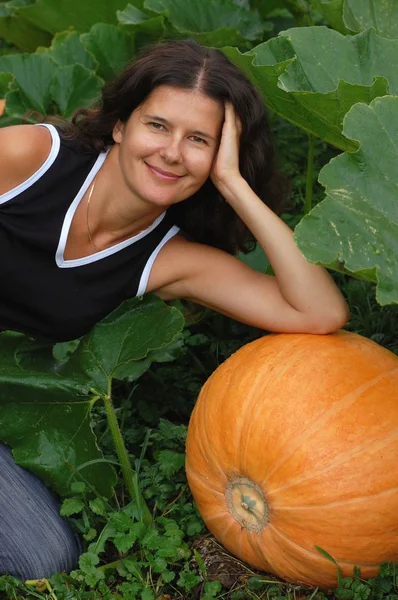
(46,405)
(131,15)
(67,49)
(127,335)
(211,22)
(73,87)
(33,93)
(265,7)
(353,16)
(19,31)
(143,28)
(5,80)
(111,47)
(332,11)
(59,15)
(312,76)
(45,418)
(355,228)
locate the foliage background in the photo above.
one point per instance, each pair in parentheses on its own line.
(327,71)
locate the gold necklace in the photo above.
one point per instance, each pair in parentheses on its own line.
(88,206)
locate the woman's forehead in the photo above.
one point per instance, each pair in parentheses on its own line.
(173,102)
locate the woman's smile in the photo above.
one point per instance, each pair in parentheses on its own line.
(162,174)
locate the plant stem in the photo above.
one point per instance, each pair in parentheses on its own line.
(129,475)
(309,184)
(41,582)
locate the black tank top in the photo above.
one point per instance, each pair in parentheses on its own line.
(41,293)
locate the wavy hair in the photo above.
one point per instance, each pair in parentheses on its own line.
(204,217)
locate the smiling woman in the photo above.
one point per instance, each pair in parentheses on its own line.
(152,190)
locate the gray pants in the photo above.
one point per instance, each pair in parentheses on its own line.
(35,541)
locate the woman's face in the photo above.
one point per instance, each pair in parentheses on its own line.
(167,146)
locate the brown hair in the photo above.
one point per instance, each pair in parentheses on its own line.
(205,217)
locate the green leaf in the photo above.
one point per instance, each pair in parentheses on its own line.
(67,49)
(356,226)
(59,15)
(98,507)
(124,541)
(111,47)
(211,22)
(353,16)
(5,80)
(46,406)
(127,335)
(312,76)
(332,10)
(33,92)
(71,506)
(143,28)
(17,30)
(88,560)
(78,487)
(73,87)
(170,462)
(131,15)
(45,418)
(265,7)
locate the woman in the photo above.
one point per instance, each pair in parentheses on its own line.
(154,190)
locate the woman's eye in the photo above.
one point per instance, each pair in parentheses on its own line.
(158,126)
(197,139)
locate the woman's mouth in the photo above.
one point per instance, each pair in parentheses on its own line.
(164,175)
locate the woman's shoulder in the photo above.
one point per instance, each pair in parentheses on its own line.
(24,148)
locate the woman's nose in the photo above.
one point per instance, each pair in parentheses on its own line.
(171,151)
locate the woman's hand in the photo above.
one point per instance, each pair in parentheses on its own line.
(225,167)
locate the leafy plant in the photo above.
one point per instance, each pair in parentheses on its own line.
(353,16)
(357,224)
(46,405)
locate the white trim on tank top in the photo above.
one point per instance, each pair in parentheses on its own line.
(86,260)
(55,145)
(148,267)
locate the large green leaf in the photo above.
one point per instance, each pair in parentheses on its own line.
(353,16)
(211,22)
(265,7)
(67,49)
(70,87)
(34,91)
(19,31)
(45,418)
(332,10)
(112,348)
(111,47)
(73,87)
(59,15)
(45,405)
(312,76)
(356,226)
(144,29)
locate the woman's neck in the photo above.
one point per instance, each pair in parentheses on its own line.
(116,213)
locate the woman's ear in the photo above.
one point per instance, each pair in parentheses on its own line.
(117,132)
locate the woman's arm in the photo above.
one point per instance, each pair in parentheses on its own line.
(24,148)
(306,287)
(300,298)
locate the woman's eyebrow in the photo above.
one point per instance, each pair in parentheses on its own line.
(166,122)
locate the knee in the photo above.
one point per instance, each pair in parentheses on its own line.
(42,554)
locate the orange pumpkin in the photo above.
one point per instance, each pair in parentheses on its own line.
(2,106)
(293,445)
